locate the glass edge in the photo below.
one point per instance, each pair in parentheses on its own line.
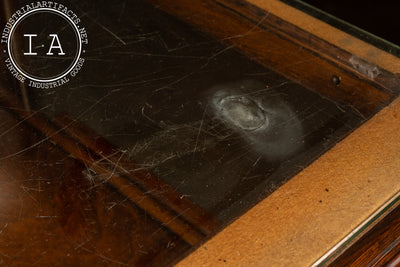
(346,27)
(362,228)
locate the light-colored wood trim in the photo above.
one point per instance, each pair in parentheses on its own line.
(302,220)
(330,34)
(311,213)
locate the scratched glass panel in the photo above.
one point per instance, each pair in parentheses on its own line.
(217,127)
(221,129)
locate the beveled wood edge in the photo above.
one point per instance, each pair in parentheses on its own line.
(359,231)
(318,208)
(377,246)
(251,225)
(289,51)
(357,47)
(325,49)
(331,34)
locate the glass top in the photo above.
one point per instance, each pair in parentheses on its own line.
(366,20)
(130,137)
(372,23)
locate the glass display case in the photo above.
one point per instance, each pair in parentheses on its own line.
(135,132)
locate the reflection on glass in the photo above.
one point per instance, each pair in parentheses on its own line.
(164,136)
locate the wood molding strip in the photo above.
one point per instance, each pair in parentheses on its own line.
(263,43)
(155,186)
(168,218)
(314,43)
(377,247)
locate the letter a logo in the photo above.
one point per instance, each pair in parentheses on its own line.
(52,46)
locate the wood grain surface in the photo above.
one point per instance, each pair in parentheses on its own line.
(286,49)
(64,205)
(165,194)
(315,210)
(330,34)
(379,246)
(55,212)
